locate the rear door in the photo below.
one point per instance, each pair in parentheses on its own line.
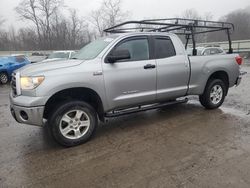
(172,69)
(131,81)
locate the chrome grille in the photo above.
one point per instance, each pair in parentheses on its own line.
(13,84)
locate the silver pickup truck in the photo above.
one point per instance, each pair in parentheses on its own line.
(117,75)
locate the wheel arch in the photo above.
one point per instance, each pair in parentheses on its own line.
(77,93)
(219,74)
(4,71)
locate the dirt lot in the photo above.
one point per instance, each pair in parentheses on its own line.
(181,146)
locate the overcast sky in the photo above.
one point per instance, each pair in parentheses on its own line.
(139,8)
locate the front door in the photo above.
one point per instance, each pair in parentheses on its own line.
(131,81)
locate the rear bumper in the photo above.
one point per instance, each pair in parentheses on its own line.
(238,81)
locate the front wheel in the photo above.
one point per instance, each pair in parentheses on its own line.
(73,123)
(4,78)
(214,94)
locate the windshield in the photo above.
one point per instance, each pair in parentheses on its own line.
(93,49)
(59,55)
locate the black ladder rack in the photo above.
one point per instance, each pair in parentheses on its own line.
(179,26)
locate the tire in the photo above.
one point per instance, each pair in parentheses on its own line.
(214,94)
(4,78)
(73,123)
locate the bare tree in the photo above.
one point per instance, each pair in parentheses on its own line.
(113,12)
(27,38)
(194,15)
(2,21)
(241,21)
(60,32)
(1,34)
(108,15)
(40,12)
(27,9)
(48,8)
(4,41)
(98,21)
(191,14)
(69,33)
(78,29)
(55,31)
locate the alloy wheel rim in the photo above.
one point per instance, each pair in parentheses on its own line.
(3,78)
(216,94)
(74,124)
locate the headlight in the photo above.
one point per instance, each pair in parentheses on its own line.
(32,82)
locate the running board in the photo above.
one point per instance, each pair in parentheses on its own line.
(122,112)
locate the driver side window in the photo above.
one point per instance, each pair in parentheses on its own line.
(137,47)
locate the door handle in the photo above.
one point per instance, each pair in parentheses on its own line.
(149,66)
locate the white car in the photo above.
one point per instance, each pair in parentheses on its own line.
(204,51)
(59,55)
(210,51)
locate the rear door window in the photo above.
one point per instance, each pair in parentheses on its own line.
(164,47)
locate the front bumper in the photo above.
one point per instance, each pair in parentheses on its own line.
(27,110)
(28,115)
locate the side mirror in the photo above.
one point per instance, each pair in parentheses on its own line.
(118,55)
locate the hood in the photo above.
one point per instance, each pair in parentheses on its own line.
(42,67)
(53,59)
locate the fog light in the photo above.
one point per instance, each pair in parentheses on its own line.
(24,115)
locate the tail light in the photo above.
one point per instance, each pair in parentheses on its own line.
(239,60)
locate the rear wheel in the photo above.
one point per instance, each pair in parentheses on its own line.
(73,123)
(4,78)
(214,94)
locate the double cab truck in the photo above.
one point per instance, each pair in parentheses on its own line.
(116,75)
